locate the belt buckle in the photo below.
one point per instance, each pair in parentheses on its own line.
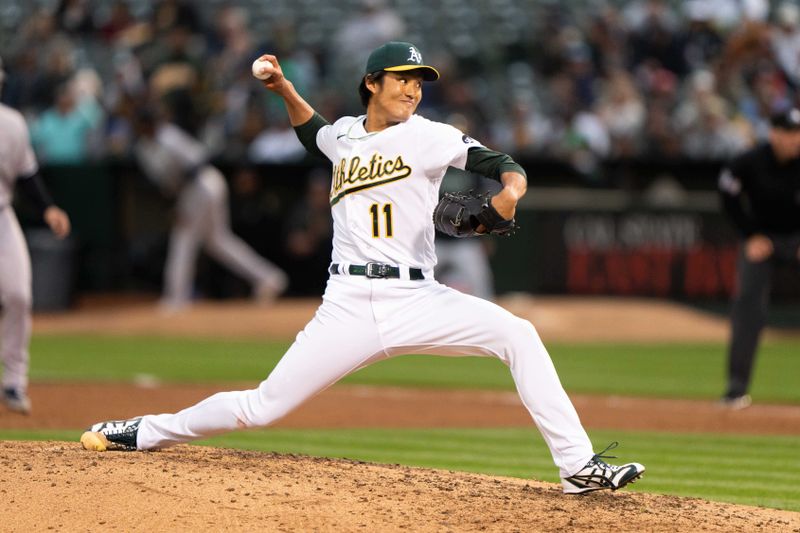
(377,270)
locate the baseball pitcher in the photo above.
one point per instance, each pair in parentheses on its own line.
(381,299)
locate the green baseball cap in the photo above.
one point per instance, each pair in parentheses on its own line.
(398,56)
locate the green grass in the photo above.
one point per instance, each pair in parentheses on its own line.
(750,470)
(740,469)
(665,370)
(111,358)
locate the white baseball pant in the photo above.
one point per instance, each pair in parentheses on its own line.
(15,294)
(362,321)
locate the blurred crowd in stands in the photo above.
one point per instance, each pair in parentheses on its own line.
(580,81)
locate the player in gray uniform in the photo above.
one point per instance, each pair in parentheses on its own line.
(18,165)
(381,299)
(178,164)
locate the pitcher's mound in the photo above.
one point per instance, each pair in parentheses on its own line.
(59,486)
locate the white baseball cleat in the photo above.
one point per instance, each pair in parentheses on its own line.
(119,434)
(17,401)
(736,403)
(269,290)
(598,475)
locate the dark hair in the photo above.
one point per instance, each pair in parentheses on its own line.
(365,93)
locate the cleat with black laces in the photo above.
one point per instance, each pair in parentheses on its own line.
(599,475)
(114,434)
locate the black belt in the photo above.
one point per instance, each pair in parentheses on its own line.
(378,270)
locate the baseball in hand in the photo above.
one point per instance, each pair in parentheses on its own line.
(262,69)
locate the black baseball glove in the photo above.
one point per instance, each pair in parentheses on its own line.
(461,214)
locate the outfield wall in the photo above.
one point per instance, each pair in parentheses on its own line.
(641,229)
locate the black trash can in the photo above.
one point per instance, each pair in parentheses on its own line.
(52,270)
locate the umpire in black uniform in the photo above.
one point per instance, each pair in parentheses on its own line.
(761,194)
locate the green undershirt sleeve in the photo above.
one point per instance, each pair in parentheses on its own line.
(491,164)
(307,133)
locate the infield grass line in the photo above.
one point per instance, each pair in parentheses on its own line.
(677,370)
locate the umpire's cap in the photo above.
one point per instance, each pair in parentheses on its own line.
(397,56)
(788,119)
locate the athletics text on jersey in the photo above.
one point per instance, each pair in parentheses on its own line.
(385,186)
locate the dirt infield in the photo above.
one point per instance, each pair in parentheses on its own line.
(556,319)
(58,486)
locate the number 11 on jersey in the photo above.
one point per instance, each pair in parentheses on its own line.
(375,210)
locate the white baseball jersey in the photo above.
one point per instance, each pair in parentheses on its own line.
(385,186)
(16,155)
(167,157)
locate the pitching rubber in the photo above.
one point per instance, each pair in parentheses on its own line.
(94,441)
